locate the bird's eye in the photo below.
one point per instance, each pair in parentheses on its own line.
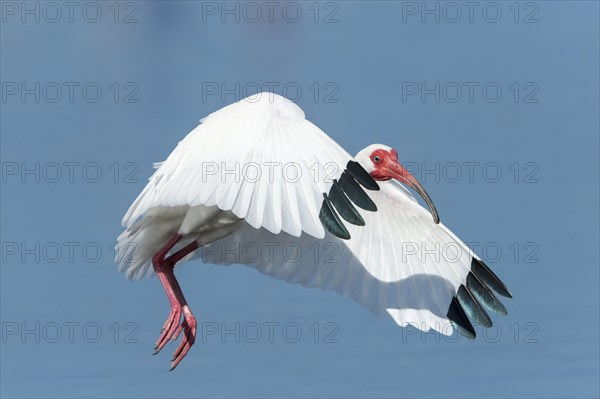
(376,158)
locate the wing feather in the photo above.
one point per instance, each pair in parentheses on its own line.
(400,263)
(208,167)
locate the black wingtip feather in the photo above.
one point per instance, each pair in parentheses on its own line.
(484,295)
(355,192)
(459,319)
(342,197)
(361,175)
(344,206)
(472,307)
(331,220)
(486,275)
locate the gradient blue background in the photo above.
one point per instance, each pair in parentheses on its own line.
(367,54)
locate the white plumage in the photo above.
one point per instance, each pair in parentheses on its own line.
(255,172)
(385,266)
(270,135)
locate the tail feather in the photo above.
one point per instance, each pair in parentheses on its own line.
(139,242)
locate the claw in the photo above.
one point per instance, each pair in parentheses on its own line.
(172,331)
(171,326)
(189,326)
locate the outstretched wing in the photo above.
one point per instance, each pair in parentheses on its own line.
(399,262)
(261,159)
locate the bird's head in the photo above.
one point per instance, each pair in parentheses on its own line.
(382,164)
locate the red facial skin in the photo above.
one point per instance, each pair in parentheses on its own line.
(388,167)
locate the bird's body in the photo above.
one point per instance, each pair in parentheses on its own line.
(257,177)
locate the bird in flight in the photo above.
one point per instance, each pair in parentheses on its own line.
(258,177)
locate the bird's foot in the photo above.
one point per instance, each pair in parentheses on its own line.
(188,326)
(169,329)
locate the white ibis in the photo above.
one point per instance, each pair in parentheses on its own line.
(259,177)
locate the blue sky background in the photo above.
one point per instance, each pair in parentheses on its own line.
(353,63)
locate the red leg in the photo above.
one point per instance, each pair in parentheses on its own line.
(189,323)
(171,329)
(175,313)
